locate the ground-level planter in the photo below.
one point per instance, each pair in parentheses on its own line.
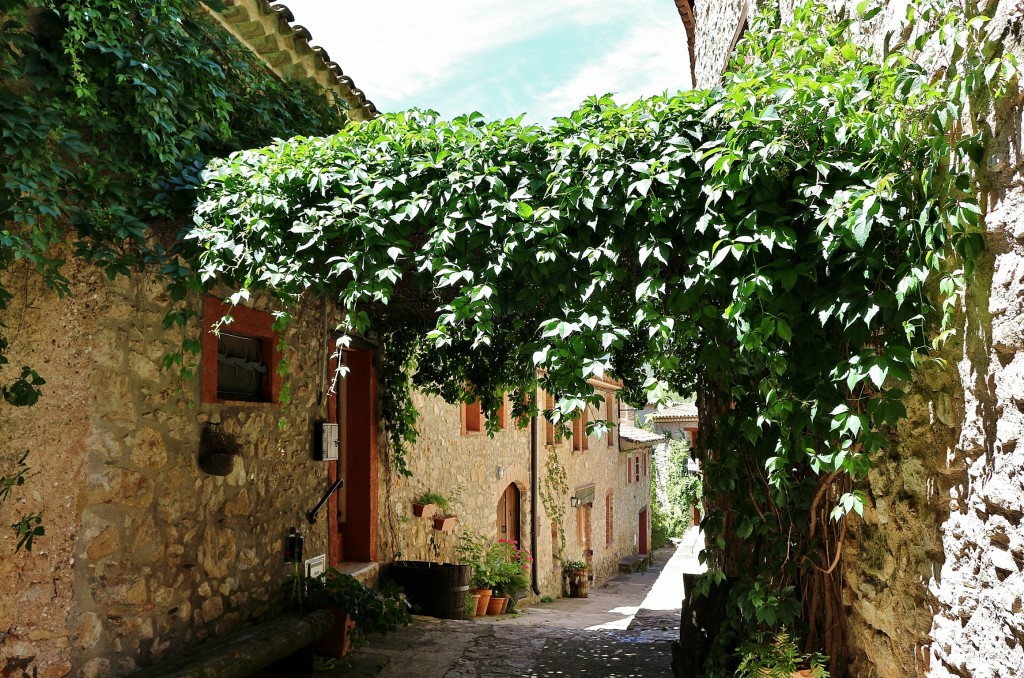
(433,589)
(338,640)
(497,605)
(482,601)
(579,584)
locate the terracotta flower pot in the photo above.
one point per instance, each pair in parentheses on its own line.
(504,604)
(424,510)
(496,604)
(445,524)
(476,604)
(339,639)
(485,599)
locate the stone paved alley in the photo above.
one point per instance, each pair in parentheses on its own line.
(625,628)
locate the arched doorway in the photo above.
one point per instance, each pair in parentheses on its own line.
(508,514)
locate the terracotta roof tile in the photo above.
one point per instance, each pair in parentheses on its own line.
(638,435)
(269,32)
(683,411)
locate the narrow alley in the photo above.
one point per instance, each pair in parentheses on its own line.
(624,629)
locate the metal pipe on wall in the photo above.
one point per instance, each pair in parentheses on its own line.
(534,500)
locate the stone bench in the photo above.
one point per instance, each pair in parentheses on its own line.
(245,652)
(635,562)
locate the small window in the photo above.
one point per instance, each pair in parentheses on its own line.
(549,428)
(629,469)
(645,464)
(579,433)
(472,418)
(502,413)
(240,361)
(636,469)
(611,415)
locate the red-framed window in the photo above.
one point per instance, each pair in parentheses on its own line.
(611,415)
(240,361)
(472,418)
(580,443)
(629,469)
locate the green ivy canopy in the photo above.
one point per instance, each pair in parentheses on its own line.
(765,243)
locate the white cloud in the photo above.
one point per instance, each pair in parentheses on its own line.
(397,50)
(652,58)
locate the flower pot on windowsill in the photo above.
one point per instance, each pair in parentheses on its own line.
(424,510)
(445,523)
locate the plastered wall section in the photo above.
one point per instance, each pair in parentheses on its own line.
(933,574)
(144,553)
(464,467)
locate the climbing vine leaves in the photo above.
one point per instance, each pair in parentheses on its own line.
(765,243)
(109,109)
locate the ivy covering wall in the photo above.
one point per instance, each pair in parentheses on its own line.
(109,109)
(789,245)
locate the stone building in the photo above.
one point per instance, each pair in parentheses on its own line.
(933,572)
(581,497)
(147,551)
(678,422)
(168,504)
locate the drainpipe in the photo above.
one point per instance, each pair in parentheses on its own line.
(534,500)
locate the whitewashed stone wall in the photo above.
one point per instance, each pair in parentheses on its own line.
(934,572)
(144,553)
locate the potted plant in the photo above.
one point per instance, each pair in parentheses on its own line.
(217,450)
(512,569)
(777,656)
(357,609)
(445,522)
(428,504)
(472,550)
(577,574)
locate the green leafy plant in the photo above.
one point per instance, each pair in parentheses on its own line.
(373,611)
(501,566)
(777,656)
(438,500)
(30,525)
(575,566)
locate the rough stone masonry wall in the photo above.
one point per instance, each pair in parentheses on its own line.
(144,553)
(465,467)
(933,574)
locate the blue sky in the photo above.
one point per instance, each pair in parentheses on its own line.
(536,57)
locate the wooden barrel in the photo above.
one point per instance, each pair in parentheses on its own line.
(433,589)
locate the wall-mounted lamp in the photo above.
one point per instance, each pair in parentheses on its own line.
(574,501)
(501,472)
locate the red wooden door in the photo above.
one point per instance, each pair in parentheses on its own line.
(353,528)
(643,531)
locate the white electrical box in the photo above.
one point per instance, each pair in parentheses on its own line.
(328,442)
(316,566)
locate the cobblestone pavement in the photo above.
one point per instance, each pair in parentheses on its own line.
(624,629)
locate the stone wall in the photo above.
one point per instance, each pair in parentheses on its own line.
(144,552)
(464,467)
(933,572)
